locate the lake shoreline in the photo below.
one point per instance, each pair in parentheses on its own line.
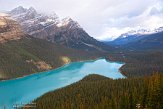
(3,80)
(35,85)
(89,60)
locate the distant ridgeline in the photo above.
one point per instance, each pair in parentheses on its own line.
(50,42)
(143,53)
(98,92)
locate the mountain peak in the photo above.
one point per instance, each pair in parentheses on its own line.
(68,22)
(22,10)
(53,15)
(18,10)
(142,31)
(65,32)
(31,9)
(67,19)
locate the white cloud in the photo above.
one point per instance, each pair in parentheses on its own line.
(112,33)
(102,19)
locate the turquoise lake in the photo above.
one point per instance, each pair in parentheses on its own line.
(26,89)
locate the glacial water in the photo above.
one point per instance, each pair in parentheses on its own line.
(26,89)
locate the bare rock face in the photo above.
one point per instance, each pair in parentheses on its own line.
(49,27)
(37,25)
(9,29)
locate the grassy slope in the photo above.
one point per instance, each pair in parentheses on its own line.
(98,92)
(14,56)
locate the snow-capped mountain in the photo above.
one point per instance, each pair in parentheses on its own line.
(134,35)
(141,32)
(49,27)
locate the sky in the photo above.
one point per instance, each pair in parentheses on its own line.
(102,19)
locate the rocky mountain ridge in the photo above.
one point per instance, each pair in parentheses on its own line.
(49,27)
(135,35)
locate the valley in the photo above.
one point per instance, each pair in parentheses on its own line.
(22,54)
(41,52)
(50,80)
(22,57)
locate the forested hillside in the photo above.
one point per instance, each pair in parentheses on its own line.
(143,54)
(98,92)
(138,63)
(29,55)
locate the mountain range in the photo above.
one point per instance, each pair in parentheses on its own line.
(32,42)
(36,42)
(22,54)
(49,27)
(139,40)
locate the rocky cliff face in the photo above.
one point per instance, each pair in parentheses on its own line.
(9,29)
(49,27)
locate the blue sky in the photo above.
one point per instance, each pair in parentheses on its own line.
(102,19)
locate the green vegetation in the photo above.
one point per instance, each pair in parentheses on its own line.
(98,92)
(29,55)
(139,63)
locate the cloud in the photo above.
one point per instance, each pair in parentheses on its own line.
(148,17)
(102,19)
